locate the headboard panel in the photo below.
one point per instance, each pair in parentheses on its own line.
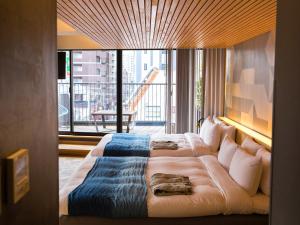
(242,132)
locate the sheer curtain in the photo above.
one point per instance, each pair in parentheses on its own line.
(215,61)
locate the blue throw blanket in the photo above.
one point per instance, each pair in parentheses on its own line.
(128,145)
(115,187)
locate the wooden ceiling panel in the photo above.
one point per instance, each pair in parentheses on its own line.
(142,24)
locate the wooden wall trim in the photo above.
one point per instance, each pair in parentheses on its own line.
(242,132)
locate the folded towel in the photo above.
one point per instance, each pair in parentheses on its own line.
(167,189)
(170,184)
(159,178)
(164,145)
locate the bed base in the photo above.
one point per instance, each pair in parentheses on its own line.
(253,219)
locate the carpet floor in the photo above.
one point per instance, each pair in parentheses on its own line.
(67,165)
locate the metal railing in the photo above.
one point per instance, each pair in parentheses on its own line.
(147,100)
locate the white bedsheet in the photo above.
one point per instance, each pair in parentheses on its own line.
(189,144)
(214,192)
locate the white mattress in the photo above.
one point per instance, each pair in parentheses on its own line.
(189,144)
(214,192)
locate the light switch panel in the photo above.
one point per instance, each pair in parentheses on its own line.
(18,175)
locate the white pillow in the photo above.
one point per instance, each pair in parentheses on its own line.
(225,129)
(204,127)
(217,120)
(210,134)
(246,170)
(227,150)
(250,145)
(265,182)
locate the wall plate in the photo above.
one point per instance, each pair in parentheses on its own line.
(17,175)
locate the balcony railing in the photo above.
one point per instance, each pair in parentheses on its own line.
(146,99)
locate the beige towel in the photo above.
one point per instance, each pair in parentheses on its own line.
(171,145)
(170,184)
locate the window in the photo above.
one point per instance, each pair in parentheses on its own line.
(151,58)
(153,112)
(96,92)
(77,67)
(98,59)
(64,99)
(77,55)
(163,58)
(78,97)
(93,88)
(162,66)
(77,80)
(145,52)
(144,90)
(98,71)
(199,86)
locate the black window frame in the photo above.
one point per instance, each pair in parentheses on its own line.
(119,118)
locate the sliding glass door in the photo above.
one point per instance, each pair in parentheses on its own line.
(64,99)
(88,95)
(94,91)
(199,87)
(144,90)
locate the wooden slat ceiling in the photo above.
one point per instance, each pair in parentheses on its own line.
(139,24)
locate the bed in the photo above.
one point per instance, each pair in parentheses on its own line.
(215,194)
(189,144)
(254,219)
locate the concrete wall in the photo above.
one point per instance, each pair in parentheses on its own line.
(28,105)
